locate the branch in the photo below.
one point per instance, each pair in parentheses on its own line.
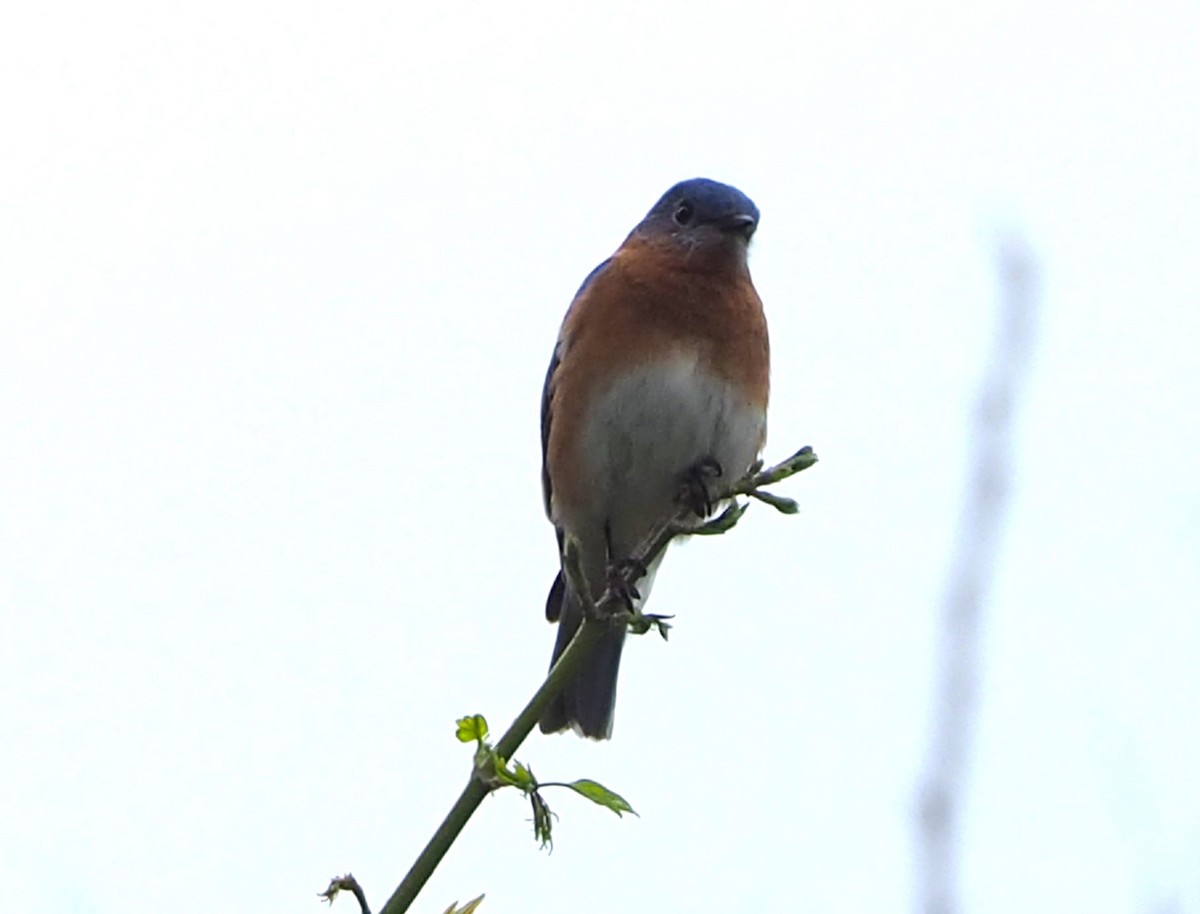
(608,610)
(346,883)
(956,692)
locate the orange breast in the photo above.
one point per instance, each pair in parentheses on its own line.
(643,306)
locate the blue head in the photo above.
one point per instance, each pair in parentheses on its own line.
(701,212)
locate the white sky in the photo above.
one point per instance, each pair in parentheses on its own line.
(278,291)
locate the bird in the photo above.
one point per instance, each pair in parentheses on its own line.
(659,380)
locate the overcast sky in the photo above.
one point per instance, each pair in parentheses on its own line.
(278,287)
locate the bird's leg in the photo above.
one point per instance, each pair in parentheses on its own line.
(623,575)
(694,491)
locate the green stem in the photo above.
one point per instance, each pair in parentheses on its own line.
(571,660)
(468,801)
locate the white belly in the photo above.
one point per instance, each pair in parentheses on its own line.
(650,427)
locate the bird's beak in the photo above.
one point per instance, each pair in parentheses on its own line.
(739,224)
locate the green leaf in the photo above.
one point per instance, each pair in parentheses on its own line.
(523,777)
(518,776)
(469,908)
(601,795)
(500,770)
(801,460)
(543,821)
(778,502)
(640,623)
(723,523)
(473,728)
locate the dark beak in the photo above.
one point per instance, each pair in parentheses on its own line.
(739,224)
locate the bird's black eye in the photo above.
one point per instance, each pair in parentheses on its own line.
(683,213)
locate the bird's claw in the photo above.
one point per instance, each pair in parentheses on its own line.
(695,489)
(623,575)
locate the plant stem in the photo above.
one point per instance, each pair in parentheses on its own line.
(585,640)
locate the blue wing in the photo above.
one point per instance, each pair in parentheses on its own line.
(548,392)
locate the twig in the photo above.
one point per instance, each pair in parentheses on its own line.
(349,884)
(956,692)
(608,608)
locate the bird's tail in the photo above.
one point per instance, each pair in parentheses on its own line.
(586,702)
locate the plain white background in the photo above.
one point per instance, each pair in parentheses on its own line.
(278,289)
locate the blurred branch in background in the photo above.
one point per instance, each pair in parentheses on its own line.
(955,696)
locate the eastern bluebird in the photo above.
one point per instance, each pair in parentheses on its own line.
(659,374)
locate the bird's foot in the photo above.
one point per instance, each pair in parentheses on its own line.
(695,492)
(623,575)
